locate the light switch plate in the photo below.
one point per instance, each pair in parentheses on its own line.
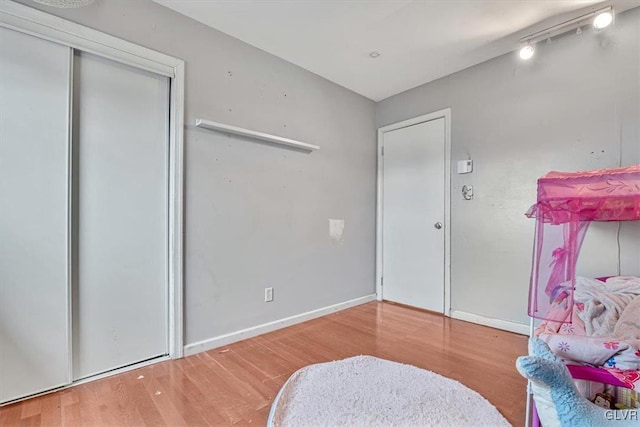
(465,166)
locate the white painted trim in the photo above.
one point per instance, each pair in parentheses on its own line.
(43,25)
(446,114)
(447,213)
(69,243)
(176,214)
(379,215)
(505,325)
(232,337)
(235,130)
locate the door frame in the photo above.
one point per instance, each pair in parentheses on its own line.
(440,114)
(31,21)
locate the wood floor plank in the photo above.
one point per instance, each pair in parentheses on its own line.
(51,410)
(236,384)
(10,415)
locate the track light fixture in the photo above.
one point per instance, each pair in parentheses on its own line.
(603,19)
(65,4)
(600,19)
(527,52)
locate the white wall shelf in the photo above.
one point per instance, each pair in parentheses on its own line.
(208,124)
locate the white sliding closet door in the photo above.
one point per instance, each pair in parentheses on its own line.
(121,121)
(34,141)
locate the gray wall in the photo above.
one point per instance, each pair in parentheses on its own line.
(256,214)
(575,106)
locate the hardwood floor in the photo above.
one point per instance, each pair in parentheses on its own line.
(237,383)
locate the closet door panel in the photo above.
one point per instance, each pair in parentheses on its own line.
(34,140)
(121,181)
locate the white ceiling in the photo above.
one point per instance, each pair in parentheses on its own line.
(418,40)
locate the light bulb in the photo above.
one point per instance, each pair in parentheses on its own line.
(602,20)
(527,52)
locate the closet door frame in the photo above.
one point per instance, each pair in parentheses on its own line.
(27,20)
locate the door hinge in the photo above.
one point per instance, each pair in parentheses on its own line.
(382,150)
(381,281)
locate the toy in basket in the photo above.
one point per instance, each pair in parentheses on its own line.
(554,383)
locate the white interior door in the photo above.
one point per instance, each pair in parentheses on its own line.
(120,288)
(413,207)
(34,287)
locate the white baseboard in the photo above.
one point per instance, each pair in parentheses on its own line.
(518,328)
(232,337)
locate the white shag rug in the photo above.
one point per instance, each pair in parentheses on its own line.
(367,391)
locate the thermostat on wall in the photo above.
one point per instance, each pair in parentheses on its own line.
(465,166)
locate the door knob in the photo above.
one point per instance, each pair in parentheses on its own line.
(438,225)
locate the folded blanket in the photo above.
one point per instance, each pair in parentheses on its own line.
(628,327)
(601,329)
(598,351)
(601,306)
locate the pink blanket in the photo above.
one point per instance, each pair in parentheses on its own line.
(600,328)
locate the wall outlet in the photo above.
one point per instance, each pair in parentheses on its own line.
(268,294)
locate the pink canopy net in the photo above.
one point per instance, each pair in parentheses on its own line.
(567,203)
